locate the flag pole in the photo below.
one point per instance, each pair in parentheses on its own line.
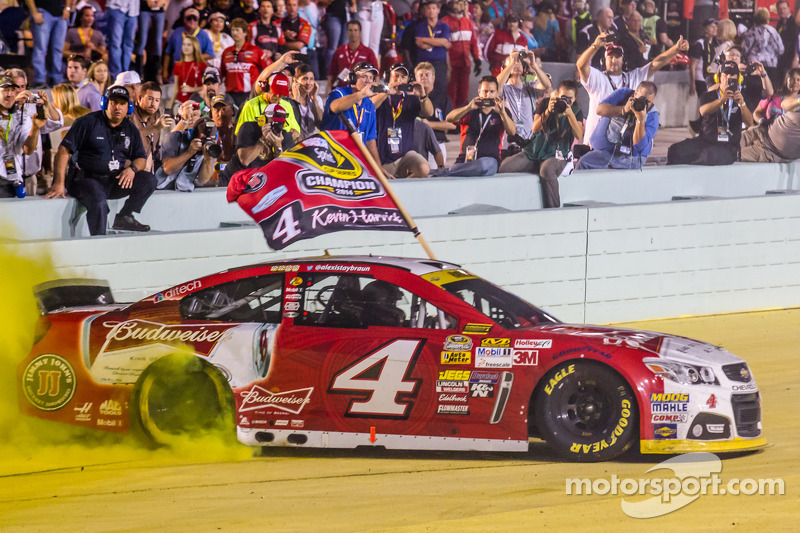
(378,171)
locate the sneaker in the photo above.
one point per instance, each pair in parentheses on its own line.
(19,190)
(128,223)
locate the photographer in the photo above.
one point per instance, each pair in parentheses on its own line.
(624,135)
(211,89)
(601,84)
(486,119)
(722,111)
(397,111)
(110,162)
(354,101)
(521,94)
(21,135)
(257,145)
(276,89)
(755,84)
(558,121)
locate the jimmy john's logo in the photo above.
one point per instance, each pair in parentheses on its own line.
(321,152)
(291,401)
(136,333)
(346,188)
(49,382)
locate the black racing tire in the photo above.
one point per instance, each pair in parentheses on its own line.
(586,411)
(181,396)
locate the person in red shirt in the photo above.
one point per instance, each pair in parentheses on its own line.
(242,63)
(295,31)
(503,42)
(464,43)
(348,55)
(188,71)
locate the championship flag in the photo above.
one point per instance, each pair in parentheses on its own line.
(321,185)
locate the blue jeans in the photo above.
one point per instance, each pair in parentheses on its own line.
(603,159)
(119,34)
(334,27)
(48,36)
(145,19)
(483,166)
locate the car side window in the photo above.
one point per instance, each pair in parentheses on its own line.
(353,301)
(253,299)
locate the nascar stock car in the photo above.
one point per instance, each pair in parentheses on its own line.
(374,351)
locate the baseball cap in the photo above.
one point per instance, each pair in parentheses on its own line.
(399,66)
(730,68)
(614,49)
(116,92)
(276,112)
(249,135)
(709,22)
(191,11)
(219,100)
(6,81)
(211,74)
(217,15)
(279,84)
(129,77)
(365,66)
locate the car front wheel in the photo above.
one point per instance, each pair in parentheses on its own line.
(586,411)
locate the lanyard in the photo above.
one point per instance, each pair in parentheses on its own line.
(350,59)
(727,119)
(358,117)
(83,39)
(396,110)
(8,129)
(193,35)
(431,32)
(613,85)
(217,43)
(483,124)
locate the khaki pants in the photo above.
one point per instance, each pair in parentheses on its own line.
(405,165)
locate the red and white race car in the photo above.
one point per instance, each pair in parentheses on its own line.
(376,351)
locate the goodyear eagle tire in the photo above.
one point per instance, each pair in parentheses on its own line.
(180,396)
(586,411)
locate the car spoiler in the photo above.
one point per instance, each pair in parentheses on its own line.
(64,293)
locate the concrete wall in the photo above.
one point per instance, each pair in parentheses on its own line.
(595,264)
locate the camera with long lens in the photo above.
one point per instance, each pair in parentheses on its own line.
(210,139)
(560,106)
(640,103)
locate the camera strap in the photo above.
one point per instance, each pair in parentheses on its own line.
(483,124)
(614,85)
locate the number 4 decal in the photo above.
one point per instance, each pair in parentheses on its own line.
(381,381)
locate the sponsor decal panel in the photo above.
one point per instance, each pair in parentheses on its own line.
(496,343)
(526,357)
(456,358)
(48,382)
(259,398)
(83,412)
(280,423)
(285,268)
(458,343)
(493,357)
(454,375)
(177,292)
(530,344)
(662,418)
(477,329)
(453,397)
(110,408)
(481,390)
(665,431)
(675,402)
(298,423)
(457,387)
(452,409)
(484,377)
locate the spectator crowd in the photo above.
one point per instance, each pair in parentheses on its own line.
(126,97)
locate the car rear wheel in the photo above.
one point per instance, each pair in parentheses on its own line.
(179,396)
(586,411)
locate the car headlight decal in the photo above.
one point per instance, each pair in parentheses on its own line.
(683,373)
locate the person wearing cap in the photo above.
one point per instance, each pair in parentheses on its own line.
(354,101)
(172,53)
(396,113)
(210,90)
(221,40)
(433,41)
(295,30)
(277,90)
(348,55)
(186,159)
(242,63)
(502,42)
(83,39)
(626,9)
(464,45)
(121,17)
(110,162)
(257,145)
(88,95)
(150,121)
(130,80)
(702,54)
(601,84)
(723,111)
(222,116)
(21,133)
(264,32)
(49,26)
(603,23)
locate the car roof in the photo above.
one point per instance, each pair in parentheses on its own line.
(418,266)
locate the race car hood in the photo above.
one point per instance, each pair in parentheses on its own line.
(655,344)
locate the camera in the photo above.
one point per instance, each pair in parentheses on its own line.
(525,55)
(560,106)
(406,88)
(487,102)
(751,69)
(612,38)
(380,87)
(733,84)
(640,103)
(210,139)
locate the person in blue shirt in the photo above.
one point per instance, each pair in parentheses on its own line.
(172,53)
(432,42)
(354,101)
(624,135)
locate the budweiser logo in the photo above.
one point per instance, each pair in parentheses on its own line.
(291,401)
(142,332)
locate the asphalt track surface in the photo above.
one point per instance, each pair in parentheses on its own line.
(119,487)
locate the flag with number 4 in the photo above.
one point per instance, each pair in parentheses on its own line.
(321,185)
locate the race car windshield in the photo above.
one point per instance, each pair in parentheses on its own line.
(502,307)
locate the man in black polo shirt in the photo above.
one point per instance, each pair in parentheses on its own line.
(397,111)
(722,113)
(109,158)
(487,119)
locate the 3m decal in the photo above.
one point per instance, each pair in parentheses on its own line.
(496,343)
(526,357)
(49,382)
(390,393)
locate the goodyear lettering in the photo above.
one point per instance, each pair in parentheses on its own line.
(602,444)
(561,374)
(454,375)
(583,350)
(496,343)
(456,358)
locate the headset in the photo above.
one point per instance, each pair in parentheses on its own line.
(104,102)
(352,77)
(717,73)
